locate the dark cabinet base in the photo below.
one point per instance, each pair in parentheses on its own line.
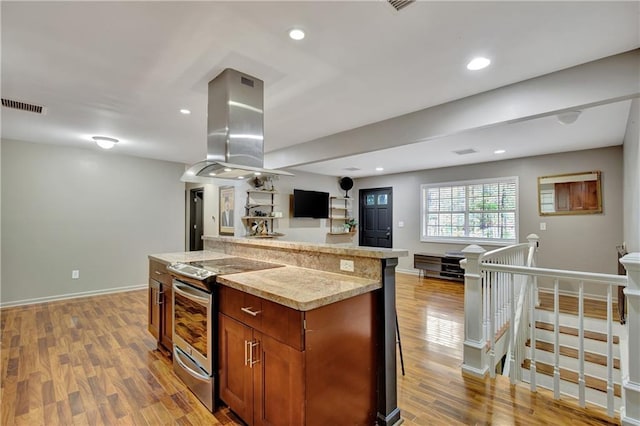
(439,266)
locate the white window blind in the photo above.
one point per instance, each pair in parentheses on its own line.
(470,211)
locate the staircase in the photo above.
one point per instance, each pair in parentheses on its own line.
(562,340)
(595,350)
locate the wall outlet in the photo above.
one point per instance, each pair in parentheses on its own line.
(401,224)
(75,274)
(346,265)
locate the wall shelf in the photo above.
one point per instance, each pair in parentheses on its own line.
(260,226)
(339,213)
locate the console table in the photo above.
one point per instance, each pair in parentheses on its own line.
(444,266)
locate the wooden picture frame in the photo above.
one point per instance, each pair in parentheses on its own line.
(570,194)
(227,203)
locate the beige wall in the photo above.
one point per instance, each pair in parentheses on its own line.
(632,179)
(87,209)
(580,242)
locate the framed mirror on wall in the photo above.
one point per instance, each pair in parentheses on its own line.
(572,193)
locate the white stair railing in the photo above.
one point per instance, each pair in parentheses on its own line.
(494,278)
(487,323)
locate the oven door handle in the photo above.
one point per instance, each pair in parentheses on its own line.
(190,293)
(178,357)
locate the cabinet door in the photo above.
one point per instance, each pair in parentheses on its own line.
(278,383)
(154,308)
(166,310)
(236,382)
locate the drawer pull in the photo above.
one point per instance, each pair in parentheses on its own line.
(157,272)
(250,312)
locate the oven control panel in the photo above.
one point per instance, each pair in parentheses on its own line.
(190,271)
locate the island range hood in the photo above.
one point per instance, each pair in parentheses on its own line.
(235,131)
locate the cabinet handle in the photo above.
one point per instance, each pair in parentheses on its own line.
(253,345)
(246,359)
(250,312)
(157,272)
(160,297)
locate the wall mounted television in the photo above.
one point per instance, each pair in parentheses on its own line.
(311,204)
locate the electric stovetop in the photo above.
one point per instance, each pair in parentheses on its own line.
(233,265)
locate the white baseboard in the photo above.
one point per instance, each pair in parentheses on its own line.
(408,271)
(72,296)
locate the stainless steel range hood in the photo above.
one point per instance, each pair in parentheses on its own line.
(235,135)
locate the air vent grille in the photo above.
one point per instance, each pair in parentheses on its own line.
(352,169)
(400,4)
(465,151)
(23,106)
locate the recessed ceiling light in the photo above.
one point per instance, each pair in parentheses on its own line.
(296,34)
(185,111)
(257,173)
(226,169)
(499,151)
(478,63)
(212,174)
(379,169)
(105,142)
(240,177)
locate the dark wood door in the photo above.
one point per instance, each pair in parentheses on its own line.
(154,308)
(196,210)
(376,207)
(278,383)
(236,381)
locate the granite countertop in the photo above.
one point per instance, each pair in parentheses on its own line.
(187,256)
(358,251)
(299,288)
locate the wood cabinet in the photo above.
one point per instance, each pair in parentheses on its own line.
(439,266)
(161,305)
(280,366)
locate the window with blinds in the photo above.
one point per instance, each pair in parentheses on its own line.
(473,211)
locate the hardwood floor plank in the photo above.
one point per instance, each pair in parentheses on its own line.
(92,361)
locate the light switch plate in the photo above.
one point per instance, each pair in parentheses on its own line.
(75,274)
(543,226)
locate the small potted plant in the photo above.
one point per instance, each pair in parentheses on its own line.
(350,225)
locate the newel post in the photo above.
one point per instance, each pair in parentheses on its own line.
(474,338)
(630,412)
(534,243)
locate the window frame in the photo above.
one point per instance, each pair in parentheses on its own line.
(466,239)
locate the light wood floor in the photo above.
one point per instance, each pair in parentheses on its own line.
(92,361)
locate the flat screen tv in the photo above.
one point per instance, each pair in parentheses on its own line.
(311,204)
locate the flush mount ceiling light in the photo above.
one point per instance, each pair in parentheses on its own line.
(296,34)
(568,117)
(185,111)
(105,142)
(478,63)
(379,169)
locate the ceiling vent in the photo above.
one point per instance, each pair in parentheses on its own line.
(23,106)
(465,151)
(352,169)
(400,4)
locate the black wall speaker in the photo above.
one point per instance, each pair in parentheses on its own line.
(346,183)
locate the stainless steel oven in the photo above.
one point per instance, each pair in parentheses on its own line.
(193,335)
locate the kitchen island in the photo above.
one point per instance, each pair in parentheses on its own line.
(321,340)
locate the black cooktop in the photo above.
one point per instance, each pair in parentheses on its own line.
(233,265)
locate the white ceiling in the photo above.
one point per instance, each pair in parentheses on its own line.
(124,69)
